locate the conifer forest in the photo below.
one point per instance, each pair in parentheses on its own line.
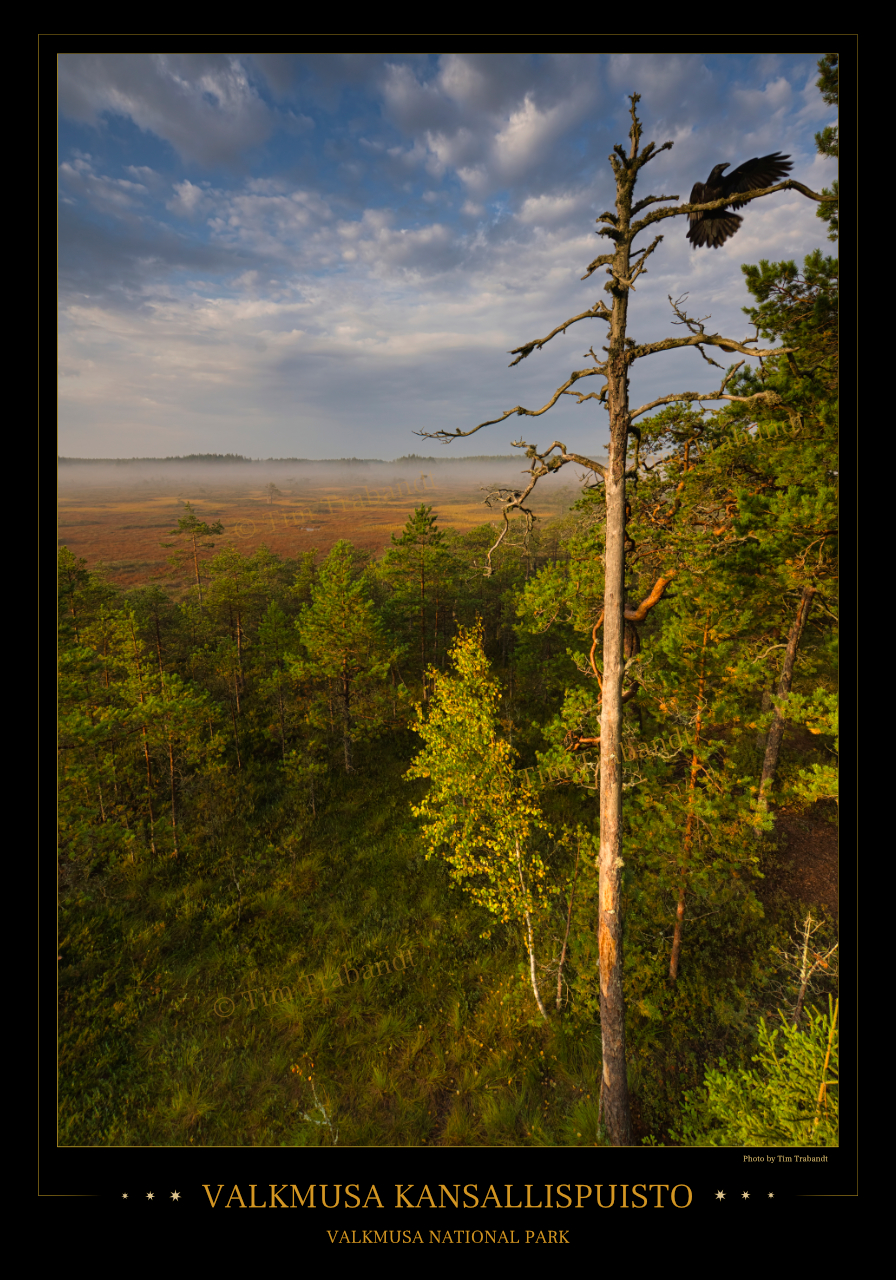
(504,836)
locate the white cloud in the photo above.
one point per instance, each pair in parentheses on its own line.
(543,210)
(188,200)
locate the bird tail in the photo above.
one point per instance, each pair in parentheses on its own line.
(712,231)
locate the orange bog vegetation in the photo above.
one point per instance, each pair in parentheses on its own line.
(117,517)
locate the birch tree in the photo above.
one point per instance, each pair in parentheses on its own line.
(476,812)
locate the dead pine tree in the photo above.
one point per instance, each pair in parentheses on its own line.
(623,265)
(801,965)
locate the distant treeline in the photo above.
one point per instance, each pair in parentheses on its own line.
(344,462)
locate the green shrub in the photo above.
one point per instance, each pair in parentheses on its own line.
(790,1100)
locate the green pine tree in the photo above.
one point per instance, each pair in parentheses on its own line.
(347,655)
(828,141)
(196,534)
(417,573)
(791,1099)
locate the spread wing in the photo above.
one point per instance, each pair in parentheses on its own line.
(761,171)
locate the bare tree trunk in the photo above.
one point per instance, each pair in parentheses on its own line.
(152,821)
(776,733)
(239,647)
(767,704)
(196,567)
(530,944)
(173,807)
(616,1106)
(159,646)
(805,970)
(827,1057)
(236,736)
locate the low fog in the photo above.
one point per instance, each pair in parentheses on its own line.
(405,476)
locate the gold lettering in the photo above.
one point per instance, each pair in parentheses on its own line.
(529,1204)
(252,1204)
(660,1188)
(636,1192)
(508,1185)
(675,1202)
(275,1197)
(579,1187)
(235,1192)
(217,1193)
(402,1197)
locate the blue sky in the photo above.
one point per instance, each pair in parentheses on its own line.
(315,256)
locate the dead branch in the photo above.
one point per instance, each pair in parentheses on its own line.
(742,197)
(598,311)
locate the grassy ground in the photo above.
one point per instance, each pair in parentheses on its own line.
(448,1049)
(303,980)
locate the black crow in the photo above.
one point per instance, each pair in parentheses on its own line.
(714,228)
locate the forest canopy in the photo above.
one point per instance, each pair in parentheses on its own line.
(498,755)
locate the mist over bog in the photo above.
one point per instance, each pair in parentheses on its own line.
(116,513)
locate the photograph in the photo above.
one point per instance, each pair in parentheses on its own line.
(447,634)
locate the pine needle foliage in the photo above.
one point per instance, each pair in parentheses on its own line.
(791,1099)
